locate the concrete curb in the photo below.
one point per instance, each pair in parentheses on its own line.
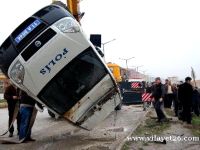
(119,146)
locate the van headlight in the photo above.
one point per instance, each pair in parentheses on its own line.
(17,73)
(68,25)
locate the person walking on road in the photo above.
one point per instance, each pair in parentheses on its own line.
(158,93)
(12,98)
(185,93)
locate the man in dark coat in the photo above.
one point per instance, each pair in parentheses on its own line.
(195,101)
(185,93)
(158,93)
(12,98)
(175,95)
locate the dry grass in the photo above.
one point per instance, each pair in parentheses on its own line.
(148,127)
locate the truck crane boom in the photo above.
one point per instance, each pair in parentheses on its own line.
(73,7)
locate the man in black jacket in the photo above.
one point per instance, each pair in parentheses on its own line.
(185,93)
(158,93)
(195,101)
(12,97)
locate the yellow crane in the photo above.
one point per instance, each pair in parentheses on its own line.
(74,8)
(2,77)
(2,82)
(116,70)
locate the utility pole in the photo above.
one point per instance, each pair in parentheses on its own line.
(103,46)
(127,59)
(144,73)
(137,67)
(193,76)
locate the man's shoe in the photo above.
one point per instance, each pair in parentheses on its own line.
(31,140)
(10,135)
(165,120)
(159,121)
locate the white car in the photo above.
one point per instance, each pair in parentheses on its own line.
(50,58)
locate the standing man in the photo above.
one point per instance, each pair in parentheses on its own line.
(168,94)
(175,95)
(27,105)
(195,101)
(158,93)
(185,93)
(12,98)
(166,97)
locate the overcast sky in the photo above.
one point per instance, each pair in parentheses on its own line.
(162,35)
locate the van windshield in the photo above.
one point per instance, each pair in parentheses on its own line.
(73,82)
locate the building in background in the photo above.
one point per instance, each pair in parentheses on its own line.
(173,79)
(133,74)
(197,83)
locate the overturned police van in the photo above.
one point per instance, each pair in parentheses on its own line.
(50,58)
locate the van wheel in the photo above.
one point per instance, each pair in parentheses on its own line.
(51,114)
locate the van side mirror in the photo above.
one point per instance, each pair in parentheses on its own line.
(96,39)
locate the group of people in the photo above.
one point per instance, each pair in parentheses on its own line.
(20,107)
(184,97)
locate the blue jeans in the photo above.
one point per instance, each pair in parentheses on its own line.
(25,117)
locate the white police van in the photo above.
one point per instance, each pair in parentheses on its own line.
(49,57)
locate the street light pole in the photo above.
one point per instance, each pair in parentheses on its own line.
(144,73)
(127,59)
(137,67)
(103,45)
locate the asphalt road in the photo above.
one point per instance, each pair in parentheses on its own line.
(59,134)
